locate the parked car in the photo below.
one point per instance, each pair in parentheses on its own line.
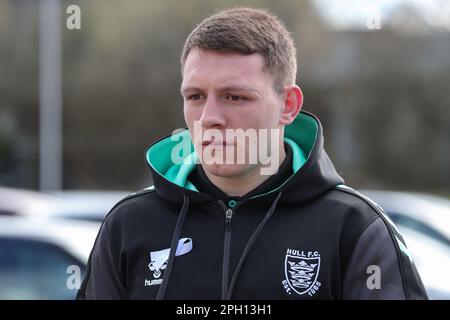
(20,202)
(47,237)
(68,204)
(42,234)
(85,204)
(424,222)
(43,258)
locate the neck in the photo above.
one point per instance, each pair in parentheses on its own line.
(239,185)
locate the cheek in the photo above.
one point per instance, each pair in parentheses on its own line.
(262,116)
(274,112)
(191,115)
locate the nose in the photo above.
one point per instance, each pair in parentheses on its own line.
(213,114)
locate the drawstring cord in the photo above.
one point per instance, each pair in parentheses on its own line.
(176,237)
(250,244)
(173,248)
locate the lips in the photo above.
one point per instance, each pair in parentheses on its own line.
(216,143)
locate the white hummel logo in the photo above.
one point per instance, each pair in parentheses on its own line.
(159,260)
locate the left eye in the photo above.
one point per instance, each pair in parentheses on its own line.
(235,98)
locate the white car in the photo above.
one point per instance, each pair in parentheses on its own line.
(46,239)
(424,222)
(68,204)
(32,242)
(42,258)
(21,202)
(85,204)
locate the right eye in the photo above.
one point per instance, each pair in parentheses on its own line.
(196,96)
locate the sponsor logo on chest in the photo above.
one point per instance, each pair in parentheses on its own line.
(159,260)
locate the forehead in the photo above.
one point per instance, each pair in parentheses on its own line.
(213,67)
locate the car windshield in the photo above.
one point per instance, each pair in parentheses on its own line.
(417,225)
(32,269)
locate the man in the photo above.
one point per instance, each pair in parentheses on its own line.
(279,224)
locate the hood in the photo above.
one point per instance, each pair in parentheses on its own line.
(313,170)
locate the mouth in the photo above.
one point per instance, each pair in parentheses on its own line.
(216,143)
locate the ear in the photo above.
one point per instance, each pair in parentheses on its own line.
(293,101)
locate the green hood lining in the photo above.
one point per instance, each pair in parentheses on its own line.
(301,136)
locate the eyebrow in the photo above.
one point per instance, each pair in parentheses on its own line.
(228,88)
(187,89)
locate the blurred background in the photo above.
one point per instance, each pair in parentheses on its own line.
(85,90)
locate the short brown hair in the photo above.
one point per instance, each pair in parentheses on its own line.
(247,31)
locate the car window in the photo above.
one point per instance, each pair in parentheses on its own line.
(31,269)
(6,212)
(408,222)
(91,216)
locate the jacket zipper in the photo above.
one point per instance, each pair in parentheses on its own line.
(226,249)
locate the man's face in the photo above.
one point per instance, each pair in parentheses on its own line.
(228,90)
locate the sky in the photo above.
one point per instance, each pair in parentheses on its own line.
(373,14)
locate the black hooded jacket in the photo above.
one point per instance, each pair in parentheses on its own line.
(303,234)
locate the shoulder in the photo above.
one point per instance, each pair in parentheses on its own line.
(354,207)
(132,205)
(357,213)
(362,206)
(366,217)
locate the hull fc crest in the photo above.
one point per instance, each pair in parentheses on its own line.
(301,270)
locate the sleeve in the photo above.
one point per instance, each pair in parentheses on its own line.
(380,267)
(103,279)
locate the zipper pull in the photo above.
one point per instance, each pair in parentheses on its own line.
(228,215)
